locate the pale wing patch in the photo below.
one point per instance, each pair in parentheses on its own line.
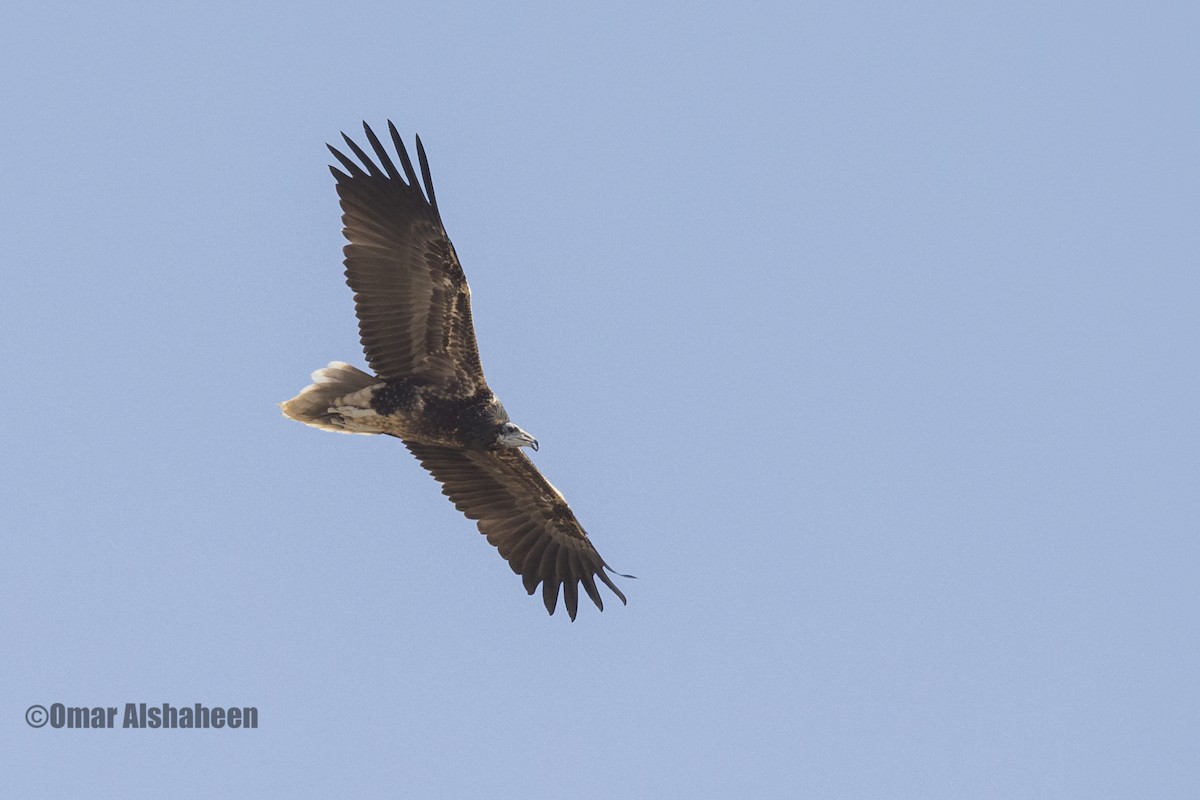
(554,489)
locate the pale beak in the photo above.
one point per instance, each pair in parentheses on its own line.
(518,438)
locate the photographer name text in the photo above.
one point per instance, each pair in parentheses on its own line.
(142,715)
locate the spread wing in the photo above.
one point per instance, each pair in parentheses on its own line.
(524,516)
(410,294)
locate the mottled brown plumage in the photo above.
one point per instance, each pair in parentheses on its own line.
(414,314)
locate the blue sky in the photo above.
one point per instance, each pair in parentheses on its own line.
(864,336)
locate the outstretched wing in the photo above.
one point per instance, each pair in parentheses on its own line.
(524,516)
(410,294)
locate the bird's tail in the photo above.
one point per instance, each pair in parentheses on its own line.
(320,403)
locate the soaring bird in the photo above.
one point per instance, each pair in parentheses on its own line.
(414,320)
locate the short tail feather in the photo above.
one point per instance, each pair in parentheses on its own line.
(313,405)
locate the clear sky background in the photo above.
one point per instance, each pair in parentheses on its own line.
(865,335)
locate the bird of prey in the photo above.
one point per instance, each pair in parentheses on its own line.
(414,320)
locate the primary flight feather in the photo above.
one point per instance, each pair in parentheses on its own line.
(414,320)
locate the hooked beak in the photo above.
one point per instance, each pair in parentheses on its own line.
(518,438)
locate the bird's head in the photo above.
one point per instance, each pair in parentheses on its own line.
(510,435)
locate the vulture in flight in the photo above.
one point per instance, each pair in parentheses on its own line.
(414,320)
